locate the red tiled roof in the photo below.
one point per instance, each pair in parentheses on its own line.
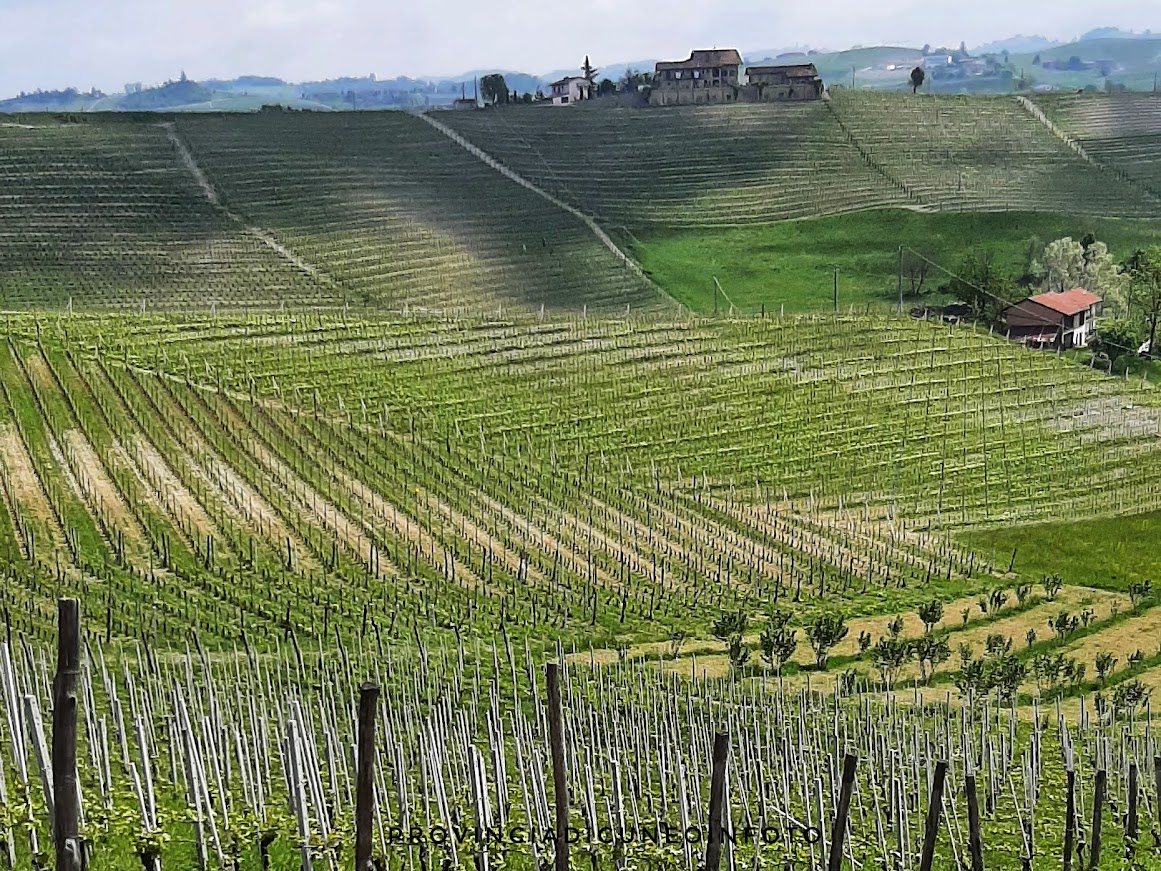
(1070,302)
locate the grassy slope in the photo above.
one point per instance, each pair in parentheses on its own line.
(789,264)
(1109,552)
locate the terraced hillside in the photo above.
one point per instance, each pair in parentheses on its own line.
(106,214)
(592,477)
(1122,131)
(374,210)
(737,165)
(981,153)
(687,167)
(397,215)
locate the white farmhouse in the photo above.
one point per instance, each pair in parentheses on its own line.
(570,89)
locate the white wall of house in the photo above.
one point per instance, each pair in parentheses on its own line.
(1081,326)
(570,91)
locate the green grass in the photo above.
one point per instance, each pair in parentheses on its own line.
(790,263)
(1107,552)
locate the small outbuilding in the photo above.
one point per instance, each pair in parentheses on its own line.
(1057,320)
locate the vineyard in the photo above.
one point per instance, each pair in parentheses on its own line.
(379,407)
(1124,134)
(591,482)
(738,165)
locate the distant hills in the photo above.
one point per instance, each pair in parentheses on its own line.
(1105,58)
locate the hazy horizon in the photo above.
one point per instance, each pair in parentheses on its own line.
(100,43)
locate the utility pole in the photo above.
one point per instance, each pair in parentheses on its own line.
(852,77)
(900,281)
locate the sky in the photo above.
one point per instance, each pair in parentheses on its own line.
(107,43)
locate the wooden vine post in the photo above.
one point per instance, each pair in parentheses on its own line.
(1069,815)
(934,810)
(559,778)
(721,754)
(66,808)
(839,832)
(365,776)
(1131,824)
(1098,806)
(975,841)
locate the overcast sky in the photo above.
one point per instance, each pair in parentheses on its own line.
(106,43)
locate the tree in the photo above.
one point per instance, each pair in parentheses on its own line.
(1105,663)
(1117,338)
(589,71)
(1052,585)
(918,75)
(778,642)
(1061,265)
(737,652)
(1145,288)
(915,269)
(606,87)
(889,655)
(494,89)
(824,632)
(980,283)
(930,614)
(1103,276)
(931,652)
(730,623)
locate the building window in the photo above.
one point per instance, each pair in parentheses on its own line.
(564,99)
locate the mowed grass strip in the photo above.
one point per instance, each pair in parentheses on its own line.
(1106,552)
(791,264)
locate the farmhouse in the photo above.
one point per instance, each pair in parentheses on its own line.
(788,82)
(708,76)
(1059,320)
(570,89)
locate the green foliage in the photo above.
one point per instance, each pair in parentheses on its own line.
(824,631)
(889,655)
(1105,663)
(930,614)
(730,623)
(980,283)
(777,640)
(737,652)
(1117,337)
(931,652)
(494,89)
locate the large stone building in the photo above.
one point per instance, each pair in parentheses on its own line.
(714,76)
(706,77)
(789,82)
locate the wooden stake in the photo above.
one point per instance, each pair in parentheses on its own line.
(1131,827)
(721,753)
(975,842)
(365,776)
(934,809)
(559,778)
(1069,817)
(1098,806)
(66,809)
(839,831)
